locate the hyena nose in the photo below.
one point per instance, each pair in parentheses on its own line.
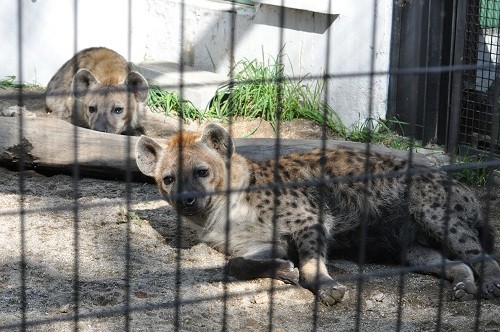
(101,129)
(189,201)
(101,124)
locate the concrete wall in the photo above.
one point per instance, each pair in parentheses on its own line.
(198,33)
(50,33)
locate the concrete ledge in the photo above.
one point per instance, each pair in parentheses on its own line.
(333,7)
(245,8)
(191,84)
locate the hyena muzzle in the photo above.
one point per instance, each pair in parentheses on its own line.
(97,89)
(300,206)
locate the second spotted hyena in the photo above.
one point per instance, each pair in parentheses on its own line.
(279,207)
(97,89)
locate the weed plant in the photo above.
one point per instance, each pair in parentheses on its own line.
(169,103)
(381,132)
(476,176)
(9,82)
(263,91)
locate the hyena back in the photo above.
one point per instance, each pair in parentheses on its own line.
(97,89)
(280,207)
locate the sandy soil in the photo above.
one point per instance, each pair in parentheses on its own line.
(80,247)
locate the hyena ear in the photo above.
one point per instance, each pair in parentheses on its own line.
(147,153)
(82,81)
(218,138)
(138,85)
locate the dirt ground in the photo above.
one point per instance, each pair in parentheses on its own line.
(76,233)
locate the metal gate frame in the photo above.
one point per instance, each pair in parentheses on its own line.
(466,120)
(421,55)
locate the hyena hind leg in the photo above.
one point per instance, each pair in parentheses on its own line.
(264,261)
(276,268)
(462,242)
(431,262)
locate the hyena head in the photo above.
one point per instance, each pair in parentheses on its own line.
(111,108)
(188,168)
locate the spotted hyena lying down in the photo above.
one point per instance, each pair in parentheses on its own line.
(97,89)
(267,223)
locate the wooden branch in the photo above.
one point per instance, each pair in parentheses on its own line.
(53,144)
(56,144)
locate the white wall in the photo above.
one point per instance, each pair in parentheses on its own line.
(50,35)
(311,44)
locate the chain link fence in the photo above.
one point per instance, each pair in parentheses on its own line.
(96,248)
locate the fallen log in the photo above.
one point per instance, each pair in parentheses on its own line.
(57,146)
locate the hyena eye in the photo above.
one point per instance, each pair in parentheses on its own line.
(202,173)
(118,110)
(92,109)
(167,180)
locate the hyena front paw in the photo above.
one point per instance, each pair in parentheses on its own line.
(331,293)
(328,291)
(491,289)
(464,290)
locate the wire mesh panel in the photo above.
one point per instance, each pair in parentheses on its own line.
(479,114)
(198,227)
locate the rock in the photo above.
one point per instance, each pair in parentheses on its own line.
(429,152)
(140,295)
(65,308)
(369,304)
(11,111)
(379,297)
(260,298)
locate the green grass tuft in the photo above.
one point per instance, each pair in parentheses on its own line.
(169,103)
(379,131)
(264,91)
(9,82)
(475,176)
